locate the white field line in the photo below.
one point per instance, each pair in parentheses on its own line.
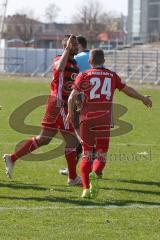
(129,206)
(14,143)
(112,144)
(135,144)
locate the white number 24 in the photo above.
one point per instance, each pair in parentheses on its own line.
(105,89)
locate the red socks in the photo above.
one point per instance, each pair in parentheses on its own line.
(98,165)
(26,148)
(71,157)
(86,168)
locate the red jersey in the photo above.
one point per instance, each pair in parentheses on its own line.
(62,81)
(98,86)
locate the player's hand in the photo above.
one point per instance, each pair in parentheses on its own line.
(147,101)
(79,106)
(69,42)
(79,101)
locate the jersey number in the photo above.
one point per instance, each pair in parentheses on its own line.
(105,89)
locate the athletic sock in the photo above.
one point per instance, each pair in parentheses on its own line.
(26,148)
(85,168)
(98,165)
(71,157)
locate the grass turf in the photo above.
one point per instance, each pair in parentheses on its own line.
(37,204)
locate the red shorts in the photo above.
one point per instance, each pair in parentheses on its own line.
(95,134)
(55,116)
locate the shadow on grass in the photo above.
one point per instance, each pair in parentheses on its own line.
(133,190)
(51,199)
(27,186)
(148,183)
(79,202)
(15,185)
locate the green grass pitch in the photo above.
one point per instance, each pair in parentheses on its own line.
(37,204)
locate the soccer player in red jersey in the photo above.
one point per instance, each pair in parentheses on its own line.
(82,59)
(97,86)
(65,71)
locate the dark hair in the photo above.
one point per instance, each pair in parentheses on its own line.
(66,37)
(97,56)
(82,40)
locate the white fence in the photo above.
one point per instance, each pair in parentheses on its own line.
(135,65)
(27,60)
(132,65)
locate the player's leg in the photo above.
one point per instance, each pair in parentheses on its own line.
(98,166)
(101,149)
(64,171)
(27,147)
(33,143)
(99,163)
(71,156)
(100,176)
(87,158)
(86,169)
(49,129)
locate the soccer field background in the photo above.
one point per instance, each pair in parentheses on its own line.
(37,203)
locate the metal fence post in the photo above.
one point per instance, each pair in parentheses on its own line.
(142,62)
(45,59)
(157,67)
(115,60)
(26,62)
(128,68)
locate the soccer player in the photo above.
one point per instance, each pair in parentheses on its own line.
(98,86)
(64,72)
(82,59)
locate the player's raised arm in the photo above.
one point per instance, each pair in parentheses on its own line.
(131,92)
(69,45)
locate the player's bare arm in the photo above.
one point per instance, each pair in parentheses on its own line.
(71,104)
(61,64)
(131,92)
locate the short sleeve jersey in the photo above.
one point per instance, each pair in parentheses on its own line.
(98,86)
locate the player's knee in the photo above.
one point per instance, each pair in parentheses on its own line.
(82,167)
(70,151)
(100,156)
(43,140)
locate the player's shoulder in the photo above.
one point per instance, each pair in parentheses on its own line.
(112,73)
(109,70)
(82,74)
(81,54)
(57,58)
(78,57)
(87,72)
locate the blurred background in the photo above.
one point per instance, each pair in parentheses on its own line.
(127,30)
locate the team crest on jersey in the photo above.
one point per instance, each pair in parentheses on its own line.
(73,76)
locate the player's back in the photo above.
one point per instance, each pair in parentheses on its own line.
(98,86)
